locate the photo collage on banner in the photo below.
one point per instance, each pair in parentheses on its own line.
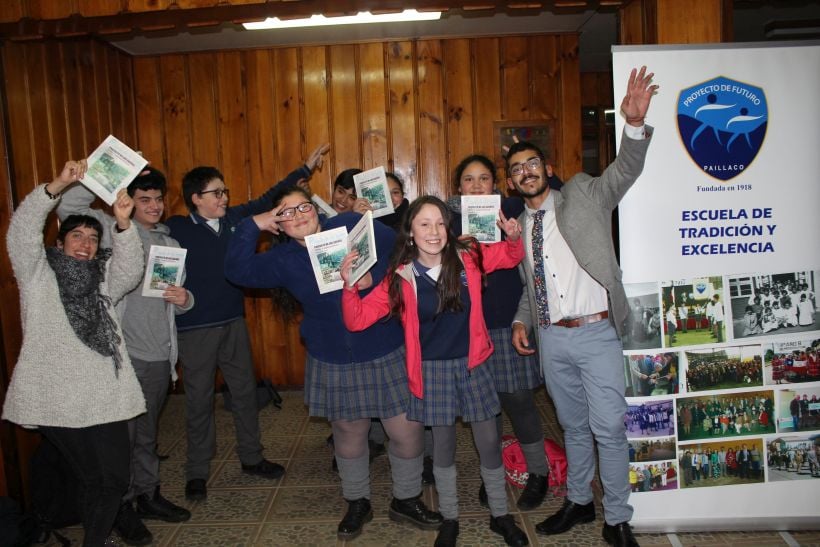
(721,344)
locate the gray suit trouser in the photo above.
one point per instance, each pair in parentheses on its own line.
(153,377)
(201,352)
(583,372)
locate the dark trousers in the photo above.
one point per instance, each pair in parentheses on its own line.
(99,456)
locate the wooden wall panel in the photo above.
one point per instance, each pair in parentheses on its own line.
(431,116)
(373,105)
(416,107)
(458,101)
(401,72)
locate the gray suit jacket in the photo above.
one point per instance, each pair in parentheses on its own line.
(583,213)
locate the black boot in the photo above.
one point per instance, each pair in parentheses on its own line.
(447,534)
(130,528)
(506,527)
(155,506)
(358,512)
(413,511)
(534,492)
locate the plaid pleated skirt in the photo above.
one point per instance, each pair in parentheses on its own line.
(352,391)
(450,390)
(511,370)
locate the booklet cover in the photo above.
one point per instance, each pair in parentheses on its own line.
(372,186)
(363,239)
(328,248)
(164,268)
(110,167)
(323,206)
(479,215)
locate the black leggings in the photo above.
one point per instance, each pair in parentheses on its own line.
(526,422)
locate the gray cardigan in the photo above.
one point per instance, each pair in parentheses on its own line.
(583,213)
(59,381)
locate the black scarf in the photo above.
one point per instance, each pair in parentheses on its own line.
(85,307)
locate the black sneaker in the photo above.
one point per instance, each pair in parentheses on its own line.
(358,512)
(157,507)
(506,527)
(196,490)
(130,528)
(447,534)
(264,468)
(413,511)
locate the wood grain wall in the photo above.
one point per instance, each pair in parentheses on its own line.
(416,107)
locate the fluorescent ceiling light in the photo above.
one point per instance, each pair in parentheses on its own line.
(361,17)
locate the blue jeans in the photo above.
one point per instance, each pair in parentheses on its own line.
(100,456)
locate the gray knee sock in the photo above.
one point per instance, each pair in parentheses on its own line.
(355,475)
(535,457)
(446,488)
(496,490)
(406,474)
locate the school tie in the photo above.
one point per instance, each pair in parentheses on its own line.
(540,281)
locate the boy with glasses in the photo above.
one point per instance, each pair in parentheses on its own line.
(214,334)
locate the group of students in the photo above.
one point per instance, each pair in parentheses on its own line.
(782,305)
(421,340)
(710,374)
(711,464)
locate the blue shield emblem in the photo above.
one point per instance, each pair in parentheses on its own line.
(700,287)
(722,124)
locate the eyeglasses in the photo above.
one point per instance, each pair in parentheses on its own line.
(531,164)
(290,212)
(218,193)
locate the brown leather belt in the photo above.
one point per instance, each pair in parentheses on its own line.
(583,320)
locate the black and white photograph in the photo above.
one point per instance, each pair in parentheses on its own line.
(643,326)
(693,312)
(765,305)
(723,368)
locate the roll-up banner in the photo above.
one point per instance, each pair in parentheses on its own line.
(720,252)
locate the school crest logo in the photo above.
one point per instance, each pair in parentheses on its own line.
(700,287)
(722,123)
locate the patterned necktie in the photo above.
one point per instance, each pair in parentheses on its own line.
(540,281)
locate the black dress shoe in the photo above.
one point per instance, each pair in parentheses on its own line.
(413,511)
(482,496)
(619,535)
(447,534)
(264,468)
(567,516)
(534,492)
(155,506)
(358,512)
(506,527)
(130,528)
(195,490)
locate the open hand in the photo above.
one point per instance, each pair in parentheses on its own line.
(639,91)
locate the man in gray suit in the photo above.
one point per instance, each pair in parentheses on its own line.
(574,301)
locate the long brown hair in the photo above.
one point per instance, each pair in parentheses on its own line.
(405,251)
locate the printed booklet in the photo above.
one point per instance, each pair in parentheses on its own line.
(479,215)
(323,206)
(328,248)
(110,167)
(372,186)
(164,268)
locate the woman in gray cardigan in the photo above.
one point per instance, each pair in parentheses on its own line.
(73,379)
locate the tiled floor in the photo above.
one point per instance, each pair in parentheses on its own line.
(305,506)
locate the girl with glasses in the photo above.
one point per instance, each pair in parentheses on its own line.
(349,377)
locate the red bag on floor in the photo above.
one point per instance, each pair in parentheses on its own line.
(516,466)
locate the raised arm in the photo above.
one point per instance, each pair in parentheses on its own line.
(243,265)
(77,200)
(127,265)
